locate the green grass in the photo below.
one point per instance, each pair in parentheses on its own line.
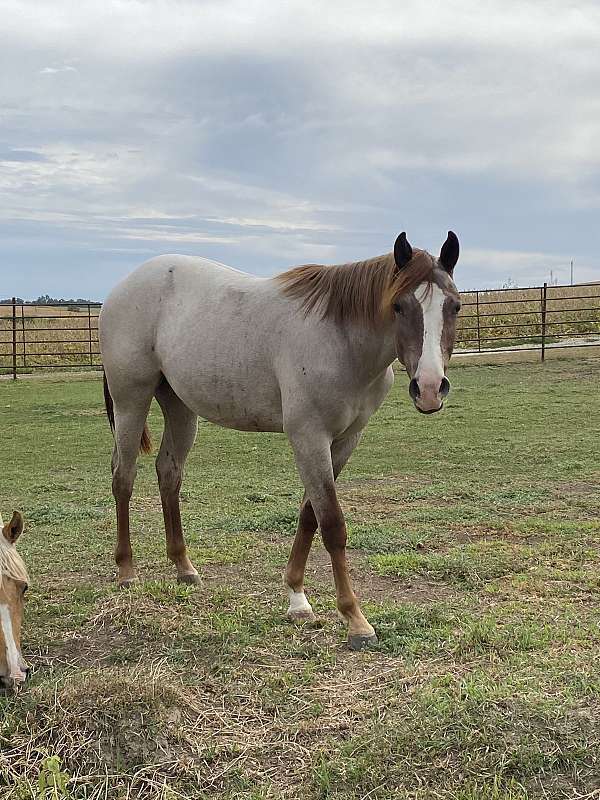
(475,546)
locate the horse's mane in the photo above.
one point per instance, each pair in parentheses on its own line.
(11,563)
(362,291)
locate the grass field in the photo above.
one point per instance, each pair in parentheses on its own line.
(475,547)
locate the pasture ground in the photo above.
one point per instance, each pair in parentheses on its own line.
(475,547)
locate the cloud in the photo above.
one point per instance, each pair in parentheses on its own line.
(261,134)
(56,70)
(510,267)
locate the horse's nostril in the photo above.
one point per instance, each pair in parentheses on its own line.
(444,387)
(413,389)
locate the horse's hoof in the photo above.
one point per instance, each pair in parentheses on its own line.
(127,583)
(360,641)
(300,617)
(190,578)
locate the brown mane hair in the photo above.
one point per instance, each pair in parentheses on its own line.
(363,291)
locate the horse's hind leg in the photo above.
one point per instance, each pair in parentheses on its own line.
(130,417)
(181,426)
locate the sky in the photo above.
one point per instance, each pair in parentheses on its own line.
(268,134)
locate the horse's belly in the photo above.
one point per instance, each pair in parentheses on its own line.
(244,406)
(242,419)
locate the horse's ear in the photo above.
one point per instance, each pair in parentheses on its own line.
(402,251)
(449,252)
(13,529)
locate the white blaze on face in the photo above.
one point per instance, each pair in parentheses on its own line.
(13,656)
(430,369)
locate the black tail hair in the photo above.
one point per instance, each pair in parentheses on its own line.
(146,441)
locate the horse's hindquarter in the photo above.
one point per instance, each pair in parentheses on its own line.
(214,344)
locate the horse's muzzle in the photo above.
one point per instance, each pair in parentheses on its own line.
(428,398)
(10,685)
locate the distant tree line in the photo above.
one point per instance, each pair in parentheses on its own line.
(46,300)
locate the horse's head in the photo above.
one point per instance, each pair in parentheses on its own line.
(13,584)
(425,310)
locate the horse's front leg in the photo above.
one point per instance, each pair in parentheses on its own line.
(299,609)
(315,465)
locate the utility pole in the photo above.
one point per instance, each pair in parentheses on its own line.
(571,272)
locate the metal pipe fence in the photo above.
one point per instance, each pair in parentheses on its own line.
(36,336)
(534,318)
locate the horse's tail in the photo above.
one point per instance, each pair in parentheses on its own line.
(108,403)
(146,441)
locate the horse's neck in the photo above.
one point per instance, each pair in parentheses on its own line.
(373,350)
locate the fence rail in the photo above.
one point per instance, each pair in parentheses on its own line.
(65,335)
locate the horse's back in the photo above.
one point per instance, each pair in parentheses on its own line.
(161,276)
(132,312)
(207,328)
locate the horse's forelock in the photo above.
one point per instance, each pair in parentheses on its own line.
(419,270)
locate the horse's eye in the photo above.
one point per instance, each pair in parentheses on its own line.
(25,589)
(397,308)
(456,308)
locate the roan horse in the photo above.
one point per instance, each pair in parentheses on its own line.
(13,585)
(308,353)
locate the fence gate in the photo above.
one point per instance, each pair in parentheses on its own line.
(536,318)
(37,336)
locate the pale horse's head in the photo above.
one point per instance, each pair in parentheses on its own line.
(425,319)
(13,585)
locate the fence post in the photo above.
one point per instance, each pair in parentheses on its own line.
(544,294)
(478,328)
(23,336)
(14,337)
(90,333)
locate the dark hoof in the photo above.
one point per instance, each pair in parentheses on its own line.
(361,641)
(191,579)
(127,583)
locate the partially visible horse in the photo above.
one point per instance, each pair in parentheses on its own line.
(308,353)
(13,585)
